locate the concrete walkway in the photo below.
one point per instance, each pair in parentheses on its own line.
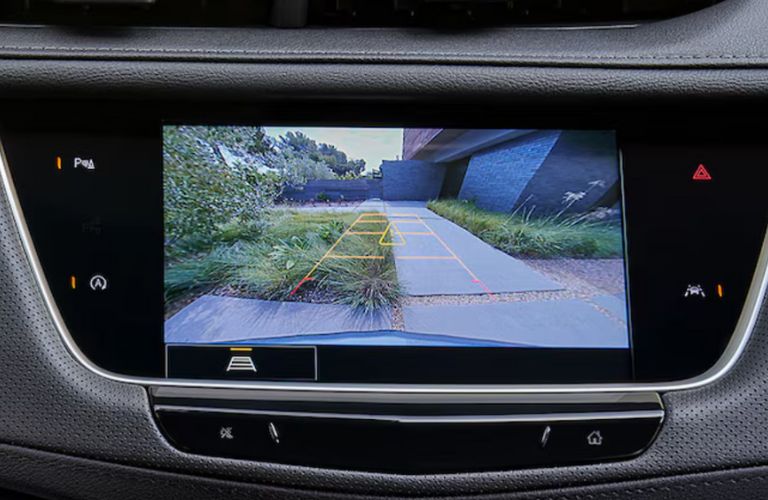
(438,257)
(553,323)
(213,319)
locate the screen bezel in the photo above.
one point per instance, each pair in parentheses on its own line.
(734,346)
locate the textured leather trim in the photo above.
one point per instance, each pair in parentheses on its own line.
(254,83)
(730,34)
(37,472)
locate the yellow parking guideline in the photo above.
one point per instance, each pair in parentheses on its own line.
(445,245)
(329,252)
(392,227)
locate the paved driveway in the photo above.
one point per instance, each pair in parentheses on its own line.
(433,257)
(229,319)
(551,323)
(437,257)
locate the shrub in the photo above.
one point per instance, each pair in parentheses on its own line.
(211,177)
(525,235)
(191,275)
(268,262)
(367,284)
(270,270)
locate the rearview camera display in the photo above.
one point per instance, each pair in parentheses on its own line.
(388,237)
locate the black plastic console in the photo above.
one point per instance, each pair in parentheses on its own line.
(401,435)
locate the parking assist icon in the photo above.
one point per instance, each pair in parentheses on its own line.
(241,364)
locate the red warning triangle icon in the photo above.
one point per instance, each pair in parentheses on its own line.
(702,174)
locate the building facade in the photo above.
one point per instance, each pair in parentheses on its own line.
(549,171)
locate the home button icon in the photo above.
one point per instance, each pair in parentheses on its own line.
(595,438)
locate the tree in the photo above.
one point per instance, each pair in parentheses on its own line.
(298,142)
(296,168)
(210,177)
(329,154)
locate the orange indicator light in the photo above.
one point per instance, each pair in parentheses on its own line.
(58,163)
(72,282)
(720,290)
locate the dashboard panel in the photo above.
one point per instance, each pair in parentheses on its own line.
(676,413)
(97,204)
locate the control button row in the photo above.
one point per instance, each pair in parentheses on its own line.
(406,445)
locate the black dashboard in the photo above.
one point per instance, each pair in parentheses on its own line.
(384,259)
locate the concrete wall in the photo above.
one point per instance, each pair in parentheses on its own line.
(581,162)
(350,190)
(411,179)
(537,169)
(497,177)
(454,178)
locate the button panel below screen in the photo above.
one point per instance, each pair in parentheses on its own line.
(405,446)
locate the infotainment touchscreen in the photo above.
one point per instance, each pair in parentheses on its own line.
(404,249)
(416,246)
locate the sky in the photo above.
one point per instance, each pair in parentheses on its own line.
(370,144)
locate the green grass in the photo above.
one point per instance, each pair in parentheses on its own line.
(523,234)
(366,284)
(268,261)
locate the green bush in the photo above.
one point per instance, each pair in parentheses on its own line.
(270,261)
(525,235)
(186,277)
(211,177)
(368,284)
(271,270)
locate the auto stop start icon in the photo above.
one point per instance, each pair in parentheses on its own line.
(98,283)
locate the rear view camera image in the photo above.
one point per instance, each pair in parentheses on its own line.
(314,236)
